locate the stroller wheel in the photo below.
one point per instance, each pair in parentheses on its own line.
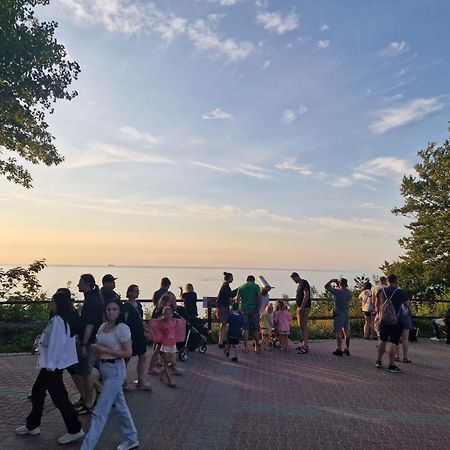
(183,354)
(203,348)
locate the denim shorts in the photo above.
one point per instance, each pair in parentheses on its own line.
(251,320)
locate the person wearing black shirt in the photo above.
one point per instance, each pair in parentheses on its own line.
(303,300)
(390,333)
(91,318)
(190,301)
(164,289)
(133,315)
(107,289)
(223,306)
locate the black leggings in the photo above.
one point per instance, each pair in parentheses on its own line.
(52,381)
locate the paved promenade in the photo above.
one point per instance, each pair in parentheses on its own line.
(271,401)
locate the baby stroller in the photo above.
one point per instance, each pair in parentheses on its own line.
(195,339)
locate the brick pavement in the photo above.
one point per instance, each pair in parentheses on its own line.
(272,401)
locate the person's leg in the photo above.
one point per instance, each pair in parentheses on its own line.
(38,394)
(381,350)
(78,382)
(123,413)
(112,385)
(392,355)
(366,327)
(245,332)
(339,340)
(256,335)
(88,383)
(405,344)
(436,330)
(141,366)
(346,334)
(235,351)
(167,366)
(58,394)
(371,326)
(305,326)
(299,323)
(154,359)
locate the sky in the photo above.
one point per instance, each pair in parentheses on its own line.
(234,133)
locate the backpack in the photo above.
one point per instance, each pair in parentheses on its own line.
(387,313)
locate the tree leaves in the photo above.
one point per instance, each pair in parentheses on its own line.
(34,73)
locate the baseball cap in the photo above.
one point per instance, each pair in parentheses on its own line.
(108,278)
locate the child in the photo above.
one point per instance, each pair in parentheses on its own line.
(235,322)
(266,325)
(281,320)
(169,330)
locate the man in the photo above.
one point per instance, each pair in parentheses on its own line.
(341,315)
(303,300)
(381,285)
(390,333)
(249,297)
(164,289)
(91,318)
(108,286)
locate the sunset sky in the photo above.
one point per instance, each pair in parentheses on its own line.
(234,133)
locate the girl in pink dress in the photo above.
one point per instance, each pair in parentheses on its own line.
(281,320)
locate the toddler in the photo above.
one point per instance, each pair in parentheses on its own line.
(281,320)
(266,325)
(235,322)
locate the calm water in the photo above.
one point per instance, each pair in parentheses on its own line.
(206,281)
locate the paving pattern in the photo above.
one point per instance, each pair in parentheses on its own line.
(269,401)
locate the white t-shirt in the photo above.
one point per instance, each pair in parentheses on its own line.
(367,302)
(264,302)
(113,339)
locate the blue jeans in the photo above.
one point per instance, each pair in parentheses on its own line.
(111,398)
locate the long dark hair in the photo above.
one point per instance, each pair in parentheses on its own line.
(65,309)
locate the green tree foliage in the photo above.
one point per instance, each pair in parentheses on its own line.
(424,269)
(34,73)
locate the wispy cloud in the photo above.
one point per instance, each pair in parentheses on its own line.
(292,164)
(371,205)
(394,49)
(266,64)
(325,43)
(396,116)
(217,114)
(324,27)
(102,153)
(289,116)
(253,171)
(384,166)
(210,166)
(364,224)
(123,16)
(341,182)
(277,23)
(136,135)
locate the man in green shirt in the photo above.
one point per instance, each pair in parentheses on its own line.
(249,297)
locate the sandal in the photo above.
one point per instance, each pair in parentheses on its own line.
(406,360)
(171,383)
(302,350)
(397,359)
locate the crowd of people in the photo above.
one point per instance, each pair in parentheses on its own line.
(95,345)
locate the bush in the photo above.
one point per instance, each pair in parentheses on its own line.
(13,340)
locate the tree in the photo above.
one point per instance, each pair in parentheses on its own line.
(34,73)
(425,267)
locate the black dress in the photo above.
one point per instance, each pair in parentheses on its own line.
(134,322)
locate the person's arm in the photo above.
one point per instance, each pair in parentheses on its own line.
(238,297)
(124,352)
(329,287)
(306,295)
(86,335)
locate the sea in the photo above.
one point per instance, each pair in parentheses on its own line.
(206,280)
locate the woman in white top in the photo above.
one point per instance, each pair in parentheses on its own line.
(57,351)
(113,345)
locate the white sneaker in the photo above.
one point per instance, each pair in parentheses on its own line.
(68,437)
(434,338)
(128,445)
(24,430)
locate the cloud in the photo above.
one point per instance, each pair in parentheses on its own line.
(101,153)
(341,182)
(123,16)
(397,116)
(292,164)
(276,23)
(384,166)
(323,43)
(217,114)
(370,205)
(135,135)
(289,116)
(354,223)
(224,2)
(210,166)
(394,49)
(253,171)
(324,27)
(266,64)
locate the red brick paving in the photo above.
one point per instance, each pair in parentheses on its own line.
(271,401)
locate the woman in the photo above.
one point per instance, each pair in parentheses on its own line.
(113,345)
(57,351)
(368,308)
(223,306)
(405,321)
(133,315)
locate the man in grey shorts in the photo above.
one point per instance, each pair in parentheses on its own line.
(341,316)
